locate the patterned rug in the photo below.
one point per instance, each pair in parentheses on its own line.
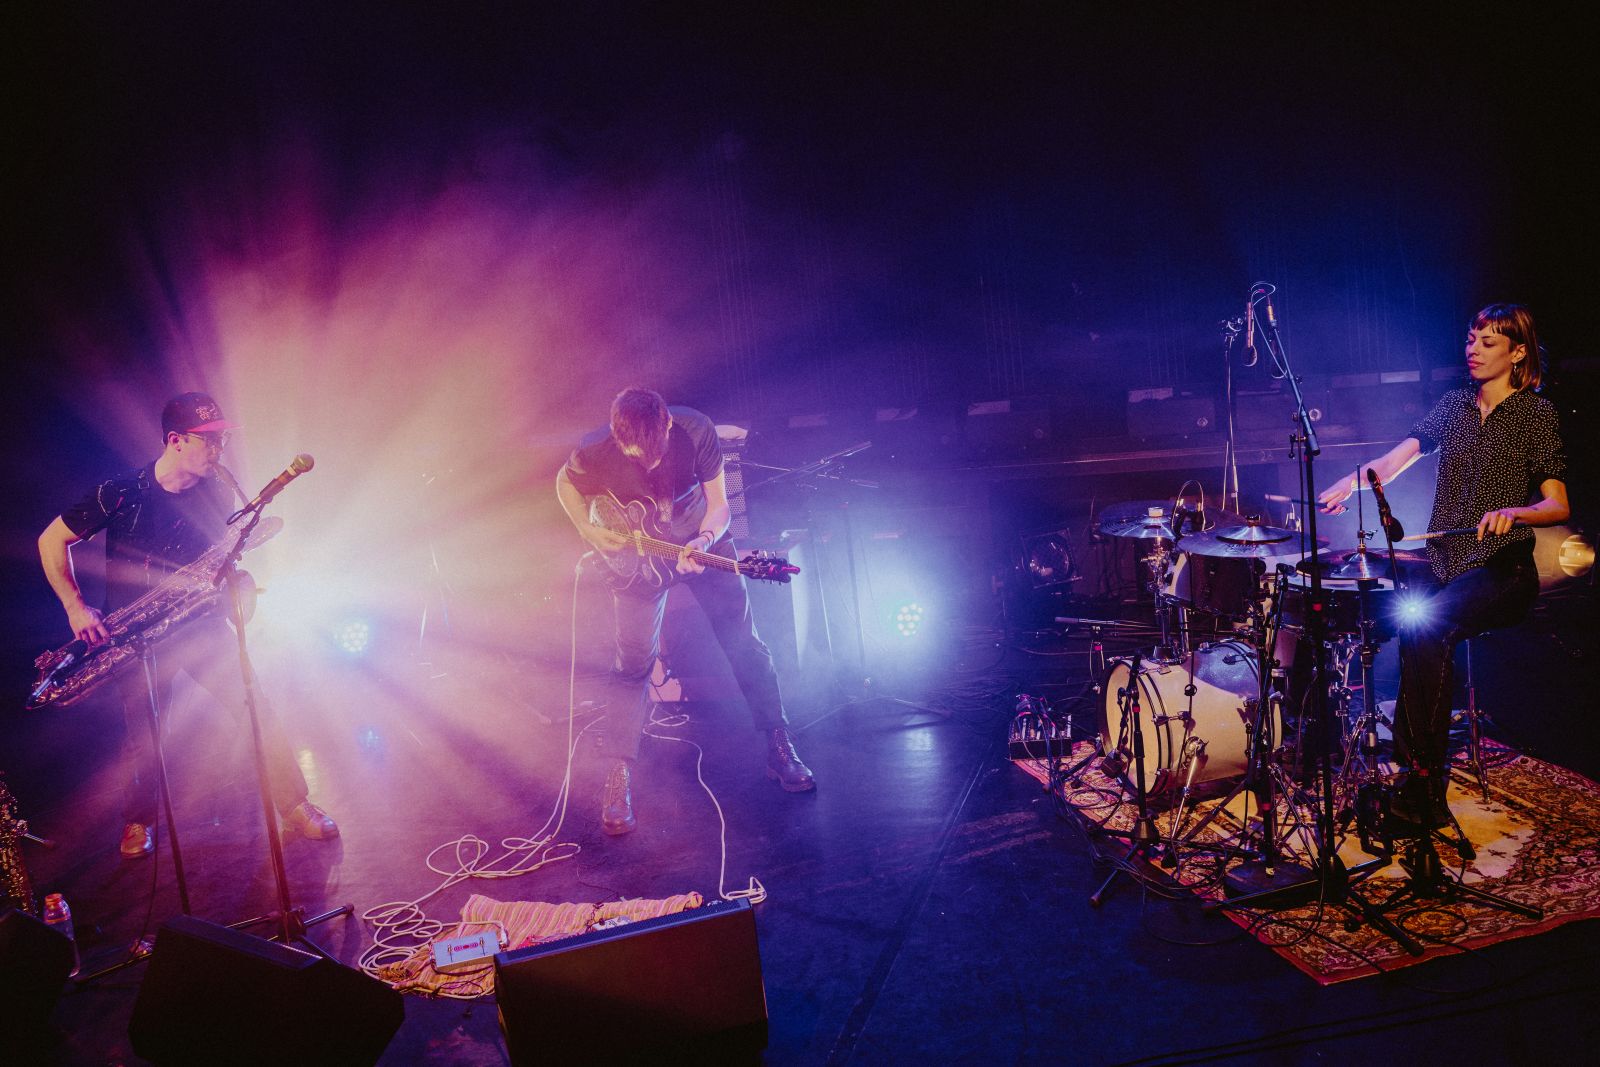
(1537,842)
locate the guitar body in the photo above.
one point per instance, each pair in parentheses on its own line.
(652,561)
(629,568)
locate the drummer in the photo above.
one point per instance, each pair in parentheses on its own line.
(1500,448)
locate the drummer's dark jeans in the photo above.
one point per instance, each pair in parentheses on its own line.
(1495,595)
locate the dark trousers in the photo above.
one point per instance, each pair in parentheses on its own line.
(1497,594)
(208,652)
(639,613)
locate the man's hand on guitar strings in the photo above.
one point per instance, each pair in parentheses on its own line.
(687,564)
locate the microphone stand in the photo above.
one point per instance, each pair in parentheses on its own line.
(1330,881)
(290,920)
(1230,450)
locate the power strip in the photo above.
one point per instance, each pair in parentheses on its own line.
(465,953)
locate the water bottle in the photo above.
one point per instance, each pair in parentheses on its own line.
(58,917)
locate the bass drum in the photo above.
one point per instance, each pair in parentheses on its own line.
(1211,728)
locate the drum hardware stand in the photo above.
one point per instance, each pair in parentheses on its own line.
(1144,839)
(1331,881)
(1174,640)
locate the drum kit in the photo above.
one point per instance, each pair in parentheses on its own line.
(1218,698)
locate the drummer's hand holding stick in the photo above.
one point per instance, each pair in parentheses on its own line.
(1388,466)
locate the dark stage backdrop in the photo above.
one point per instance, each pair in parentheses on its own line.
(454,230)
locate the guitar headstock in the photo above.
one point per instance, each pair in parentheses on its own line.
(766,567)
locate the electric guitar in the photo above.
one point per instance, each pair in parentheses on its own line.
(650,562)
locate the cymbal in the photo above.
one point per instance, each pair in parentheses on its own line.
(1150,528)
(1121,520)
(1355,565)
(1252,532)
(1351,567)
(1132,511)
(1210,544)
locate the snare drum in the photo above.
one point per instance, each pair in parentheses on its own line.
(1343,600)
(1211,729)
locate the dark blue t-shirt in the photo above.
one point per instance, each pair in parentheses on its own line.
(149,531)
(672,491)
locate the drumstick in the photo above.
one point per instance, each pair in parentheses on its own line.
(1456,531)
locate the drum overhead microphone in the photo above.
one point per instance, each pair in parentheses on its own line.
(1391,525)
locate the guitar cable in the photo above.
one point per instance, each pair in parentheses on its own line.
(401,928)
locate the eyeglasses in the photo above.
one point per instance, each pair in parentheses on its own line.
(214,440)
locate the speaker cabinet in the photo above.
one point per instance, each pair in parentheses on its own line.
(34,963)
(681,984)
(215,995)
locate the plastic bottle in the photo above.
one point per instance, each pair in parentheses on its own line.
(58,917)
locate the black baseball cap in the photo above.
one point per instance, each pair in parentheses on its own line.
(194,413)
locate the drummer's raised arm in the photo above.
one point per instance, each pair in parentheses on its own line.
(1388,466)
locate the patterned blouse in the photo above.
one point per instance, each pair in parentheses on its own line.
(1485,465)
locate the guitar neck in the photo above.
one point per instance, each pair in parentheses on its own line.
(651,546)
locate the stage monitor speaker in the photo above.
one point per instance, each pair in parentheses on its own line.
(215,995)
(686,985)
(34,963)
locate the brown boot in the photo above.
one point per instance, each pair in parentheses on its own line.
(616,801)
(783,763)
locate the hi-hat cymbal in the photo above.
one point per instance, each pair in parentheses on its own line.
(1354,564)
(1351,567)
(1252,532)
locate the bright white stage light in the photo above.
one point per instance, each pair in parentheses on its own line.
(1412,610)
(908,619)
(353,637)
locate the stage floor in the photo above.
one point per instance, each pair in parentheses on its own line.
(926,904)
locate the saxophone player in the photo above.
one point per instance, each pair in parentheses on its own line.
(156,519)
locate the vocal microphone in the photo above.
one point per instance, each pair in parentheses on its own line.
(1391,525)
(1250,328)
(297,466)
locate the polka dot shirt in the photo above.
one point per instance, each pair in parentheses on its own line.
(1485,465)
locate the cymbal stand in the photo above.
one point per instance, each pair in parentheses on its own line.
(1144,838)
(1174,638)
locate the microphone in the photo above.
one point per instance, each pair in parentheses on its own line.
(297,466)
(1250,327)
(1391,525)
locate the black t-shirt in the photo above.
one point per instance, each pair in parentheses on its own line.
(1486,465)
(673,490)
(149,531)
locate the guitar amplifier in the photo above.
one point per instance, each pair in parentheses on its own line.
(733,440)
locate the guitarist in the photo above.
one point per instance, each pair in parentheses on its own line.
(669,460)
(157,519)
